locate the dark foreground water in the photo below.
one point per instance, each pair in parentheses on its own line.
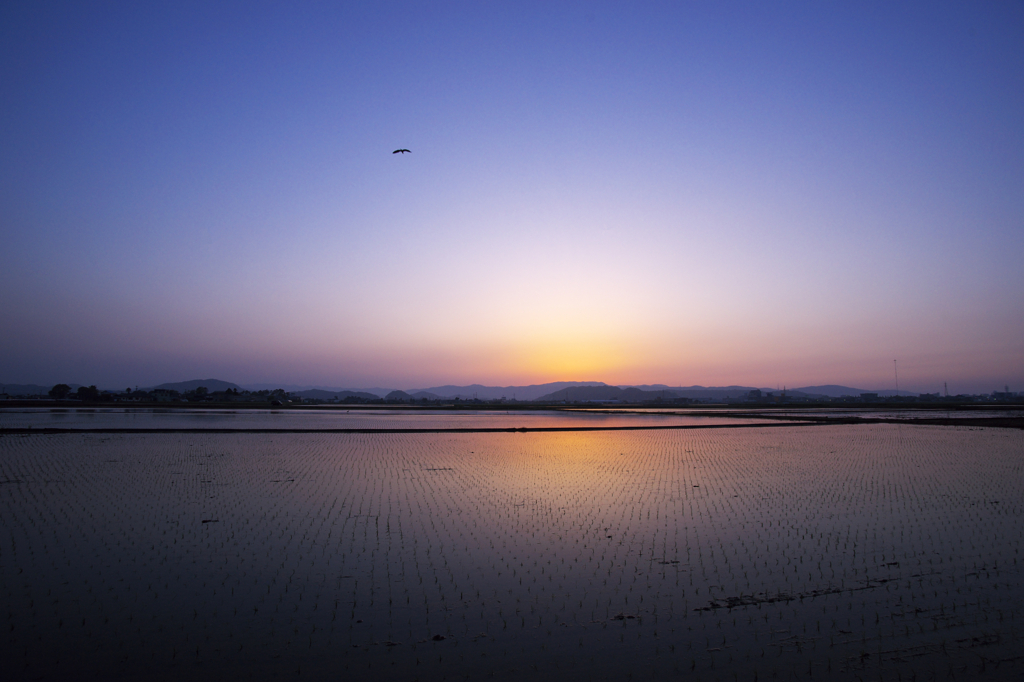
(813,552)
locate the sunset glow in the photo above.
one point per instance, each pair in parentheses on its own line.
(685,195)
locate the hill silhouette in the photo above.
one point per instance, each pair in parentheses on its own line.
(585,393)
(531,392)
(320,394)
(212,385)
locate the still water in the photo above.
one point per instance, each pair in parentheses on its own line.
(839,552)
(328,419)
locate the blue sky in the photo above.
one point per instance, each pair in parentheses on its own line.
(702,193)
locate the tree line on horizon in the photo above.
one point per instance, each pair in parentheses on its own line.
(199,394)
(572,395)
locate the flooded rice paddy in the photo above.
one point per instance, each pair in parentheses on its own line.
(847,552)
(339,419)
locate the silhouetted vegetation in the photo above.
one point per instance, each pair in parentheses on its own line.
(60,391)
(89,394)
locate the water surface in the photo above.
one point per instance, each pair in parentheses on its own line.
(326,419)
(840,552)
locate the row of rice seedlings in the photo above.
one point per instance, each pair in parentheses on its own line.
(713,552)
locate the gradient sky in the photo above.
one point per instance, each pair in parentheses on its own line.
(678,193)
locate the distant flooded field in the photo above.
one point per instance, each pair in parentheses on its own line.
(814,552)
(326,419)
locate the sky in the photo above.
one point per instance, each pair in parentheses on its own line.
(681,193)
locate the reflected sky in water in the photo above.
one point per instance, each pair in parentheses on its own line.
(127,418)
(839,552)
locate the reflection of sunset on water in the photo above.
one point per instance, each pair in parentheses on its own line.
(579,555)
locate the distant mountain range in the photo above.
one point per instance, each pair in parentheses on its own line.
(450,391)
(554,391)
(584,390)
(546,391)
(299,388)
(28,389)
(531,392)
(833,391)
(584,393)
(320,394)
(212,385)
(726,392)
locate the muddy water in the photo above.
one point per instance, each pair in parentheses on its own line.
(839,552)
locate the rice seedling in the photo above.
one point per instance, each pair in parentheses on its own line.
(846,552)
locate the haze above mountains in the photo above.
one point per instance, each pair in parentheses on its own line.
(558,390)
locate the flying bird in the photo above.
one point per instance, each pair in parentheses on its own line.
(401,151)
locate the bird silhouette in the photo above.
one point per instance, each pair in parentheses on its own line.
(401,151)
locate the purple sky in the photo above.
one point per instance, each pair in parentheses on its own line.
(691,193)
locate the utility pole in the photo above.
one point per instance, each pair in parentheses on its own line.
(897,378)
